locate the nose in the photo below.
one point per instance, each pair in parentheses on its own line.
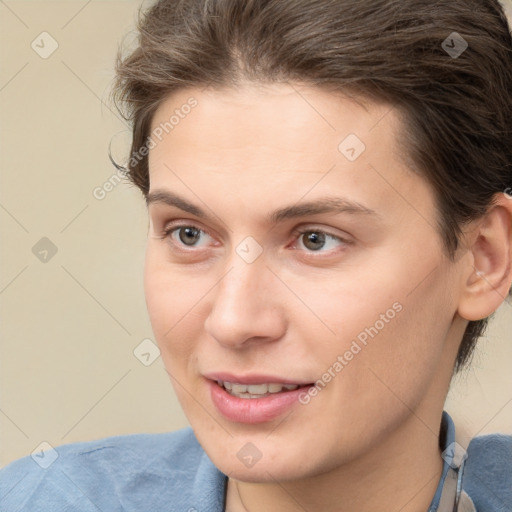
(245,307)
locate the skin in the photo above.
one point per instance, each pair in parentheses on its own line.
(242,153)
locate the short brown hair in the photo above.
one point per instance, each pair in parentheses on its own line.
(457,109)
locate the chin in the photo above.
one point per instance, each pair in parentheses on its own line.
(234,459)
(262,472)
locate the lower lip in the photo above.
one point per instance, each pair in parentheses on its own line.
(253,410)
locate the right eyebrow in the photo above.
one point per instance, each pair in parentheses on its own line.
(170,199)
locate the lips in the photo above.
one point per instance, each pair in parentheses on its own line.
(253,398)
(254,379)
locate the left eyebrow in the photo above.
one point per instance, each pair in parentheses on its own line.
(321,205)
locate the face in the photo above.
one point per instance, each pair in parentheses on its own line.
(289,245)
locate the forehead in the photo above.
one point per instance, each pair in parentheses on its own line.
(283,139)
(278,116)
(272,127)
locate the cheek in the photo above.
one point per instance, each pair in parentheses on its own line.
(386,326)
(401,358)
(173,301)
(351,305)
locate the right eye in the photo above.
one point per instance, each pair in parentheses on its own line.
(185,235)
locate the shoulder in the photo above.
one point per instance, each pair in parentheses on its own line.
(488,472)
(130,472)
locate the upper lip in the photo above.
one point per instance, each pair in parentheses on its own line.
(252,378)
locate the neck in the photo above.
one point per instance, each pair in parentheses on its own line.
(402,475)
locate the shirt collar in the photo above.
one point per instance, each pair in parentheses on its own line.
(446,438)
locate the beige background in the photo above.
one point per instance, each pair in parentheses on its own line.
(70,324)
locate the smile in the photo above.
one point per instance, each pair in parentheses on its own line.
(255,402)
(255,390)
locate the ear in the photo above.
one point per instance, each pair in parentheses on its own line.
(487,276)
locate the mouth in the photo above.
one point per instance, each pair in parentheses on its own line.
(257,400)
(251,391)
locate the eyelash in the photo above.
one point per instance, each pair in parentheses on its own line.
(297,233)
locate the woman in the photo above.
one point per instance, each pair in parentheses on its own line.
(330,228)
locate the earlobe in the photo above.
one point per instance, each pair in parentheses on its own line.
(487,278)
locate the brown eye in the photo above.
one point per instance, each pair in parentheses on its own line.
(189,235)
(313,240)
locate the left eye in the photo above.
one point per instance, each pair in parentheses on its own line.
(314,240)
(187,235)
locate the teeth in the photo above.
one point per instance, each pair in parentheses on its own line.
(238,388)
(255,390)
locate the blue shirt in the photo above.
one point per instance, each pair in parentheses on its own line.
(170,472)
